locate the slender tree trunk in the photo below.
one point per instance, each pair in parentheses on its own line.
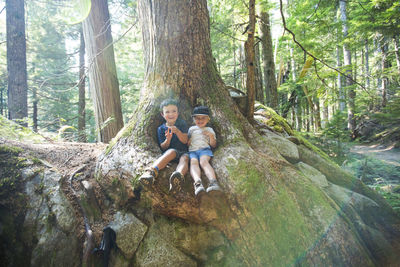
(298,113)
(35,101)
(102,71)
(271,92)
(258,75)
(293,64)
(396,52)
(81,87)
(347,64)
(1,101)
(317,114)
(234,67)
(243,74)
(325,113)
(250,60)
(384,78)
(367,74)
(16,61)
(342,102)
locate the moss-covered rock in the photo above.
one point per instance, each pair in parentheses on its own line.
(14,131)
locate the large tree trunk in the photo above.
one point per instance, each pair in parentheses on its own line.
(269,205)
(81,87)
(16,61)
(271,92)
(102,71)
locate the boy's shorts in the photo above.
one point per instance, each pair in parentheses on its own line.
(179,154)
(202,152)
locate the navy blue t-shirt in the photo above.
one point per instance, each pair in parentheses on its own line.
(175,143)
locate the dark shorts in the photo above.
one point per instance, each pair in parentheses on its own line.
(179,154)
(199,153)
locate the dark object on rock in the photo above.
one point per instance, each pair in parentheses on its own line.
(294,140)
(366,128)
(107,243)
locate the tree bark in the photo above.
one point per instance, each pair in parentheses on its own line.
(34,109)
(342,101)
(347,65)
(250,60)
(102,71)
(258,76)
(1,101)
(367,74)
(16,61)
(271,92)
(396,52)
(384,78)
(81,87)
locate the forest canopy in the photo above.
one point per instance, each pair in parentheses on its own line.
(353,45)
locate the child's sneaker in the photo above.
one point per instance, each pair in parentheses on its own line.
(213,186)
(175,182)
(148,176)
(198,189)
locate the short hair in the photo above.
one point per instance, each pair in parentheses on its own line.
(167,102)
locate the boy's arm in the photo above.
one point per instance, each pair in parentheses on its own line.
(182,136)
(165,145)
(211,135)
(213,140)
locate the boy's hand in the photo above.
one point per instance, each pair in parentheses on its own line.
(208,134)
(174,129)
(211,138)
(169,133)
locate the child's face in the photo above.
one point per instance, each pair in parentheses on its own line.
(170,114)
(201,120)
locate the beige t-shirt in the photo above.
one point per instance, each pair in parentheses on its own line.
(197,139)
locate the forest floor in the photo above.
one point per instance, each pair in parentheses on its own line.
(388,154)
(66,157)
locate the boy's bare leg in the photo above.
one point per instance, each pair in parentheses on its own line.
(165,158)
(207,168)
(195,170)
(183,165)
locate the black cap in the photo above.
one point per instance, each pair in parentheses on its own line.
(201,110)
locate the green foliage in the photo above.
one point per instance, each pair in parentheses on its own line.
(334,135)
(372,171)
(393,198)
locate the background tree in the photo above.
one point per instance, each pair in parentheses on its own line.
(271,91)
(102,71)
(16,61)
(81,87)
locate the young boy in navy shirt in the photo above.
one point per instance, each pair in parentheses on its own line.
(172,139)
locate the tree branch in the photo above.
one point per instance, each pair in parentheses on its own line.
(311,55)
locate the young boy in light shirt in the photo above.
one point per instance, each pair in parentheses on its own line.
(201,140)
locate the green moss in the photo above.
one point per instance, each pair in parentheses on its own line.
(279,124)
(10,177)
(285,219)
(13,131)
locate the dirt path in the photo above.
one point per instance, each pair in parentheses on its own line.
(389,154)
